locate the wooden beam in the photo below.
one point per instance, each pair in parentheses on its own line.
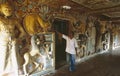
(118,23)
(105,10)
(114,19)
(110,19)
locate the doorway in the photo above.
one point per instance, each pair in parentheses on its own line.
(61,26)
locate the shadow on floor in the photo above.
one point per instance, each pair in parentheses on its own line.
(105,64)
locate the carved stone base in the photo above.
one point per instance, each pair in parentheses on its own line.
(42,73)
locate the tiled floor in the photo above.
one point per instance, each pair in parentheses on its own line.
(107,64)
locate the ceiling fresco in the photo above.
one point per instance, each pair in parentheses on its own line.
(98,4)
(108,8)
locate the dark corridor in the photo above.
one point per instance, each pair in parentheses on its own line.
(60,55)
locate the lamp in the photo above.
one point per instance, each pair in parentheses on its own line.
(66,7)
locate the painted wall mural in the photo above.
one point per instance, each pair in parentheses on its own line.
(24,7)
(30,48)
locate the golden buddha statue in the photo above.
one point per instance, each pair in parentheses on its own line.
(10,30)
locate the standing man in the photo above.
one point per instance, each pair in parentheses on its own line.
(71,49)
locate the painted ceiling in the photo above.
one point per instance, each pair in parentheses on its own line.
(98,4)
(108,8)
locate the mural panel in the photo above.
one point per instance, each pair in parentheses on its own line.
(40,59)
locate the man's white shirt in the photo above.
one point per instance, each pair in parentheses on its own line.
(71,44)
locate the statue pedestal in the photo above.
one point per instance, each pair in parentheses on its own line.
(44,72)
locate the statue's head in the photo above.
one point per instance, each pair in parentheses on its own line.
(6,9)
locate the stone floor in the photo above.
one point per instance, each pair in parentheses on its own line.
(104,64)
